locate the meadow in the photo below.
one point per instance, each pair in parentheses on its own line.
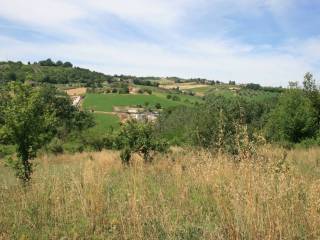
(104,122)
(105,102)
(186,194)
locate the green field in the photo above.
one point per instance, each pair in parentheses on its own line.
(105,102)
(104,122)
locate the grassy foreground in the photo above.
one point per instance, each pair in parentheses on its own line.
(184,195)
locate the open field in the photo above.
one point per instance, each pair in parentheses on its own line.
(76,91)
(104,122)
(185,195)
(105,102)
(183,86)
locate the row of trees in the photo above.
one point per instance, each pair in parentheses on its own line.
(51,63)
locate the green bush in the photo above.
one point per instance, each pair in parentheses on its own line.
(55,146)
(293,120)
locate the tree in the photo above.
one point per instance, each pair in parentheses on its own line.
(32,117)
(293,119)
(138,137)
(312,92)
(29,124)
(59,63)
(68,65)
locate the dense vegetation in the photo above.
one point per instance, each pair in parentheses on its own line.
(289,118)
(32,117)
(49,72)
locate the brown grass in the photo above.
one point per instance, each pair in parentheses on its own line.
(183,86)
(183,195)
(76,91)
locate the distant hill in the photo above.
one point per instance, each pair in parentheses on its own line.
(51,72)
(48,71)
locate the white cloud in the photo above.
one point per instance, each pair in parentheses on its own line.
(201,60)
(171,54)
(153,12)
(40,12)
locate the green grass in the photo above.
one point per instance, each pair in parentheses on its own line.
(104,122)
(202,89)
(105,102)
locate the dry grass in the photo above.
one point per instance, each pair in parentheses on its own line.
(183,86)
(76,91)
(185,195)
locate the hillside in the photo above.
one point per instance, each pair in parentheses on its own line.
(44,72)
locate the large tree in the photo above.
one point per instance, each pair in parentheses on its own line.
(30,119)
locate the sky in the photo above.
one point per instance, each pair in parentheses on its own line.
(270,42)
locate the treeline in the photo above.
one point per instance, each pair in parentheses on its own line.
(51,63)
(51,72)
(139,81)
(254,86)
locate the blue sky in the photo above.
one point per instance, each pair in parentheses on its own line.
(269,42)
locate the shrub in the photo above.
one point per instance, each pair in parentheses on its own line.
(158,106)
(176,98)
(137,137)
(55,147)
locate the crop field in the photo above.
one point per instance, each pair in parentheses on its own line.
(105,102)
(105,121)
(183,86)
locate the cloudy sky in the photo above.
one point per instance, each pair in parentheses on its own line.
(269,42)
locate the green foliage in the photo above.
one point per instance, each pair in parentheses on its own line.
(313,93)
(139,81)
(138,137)
(125,155)
(217,123)
(48,71)
(176,98)
(293,119)
(30,122)
(31,117)
(158,106)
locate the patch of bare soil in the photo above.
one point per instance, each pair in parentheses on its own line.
(76,91)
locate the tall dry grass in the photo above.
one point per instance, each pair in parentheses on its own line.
(185,195)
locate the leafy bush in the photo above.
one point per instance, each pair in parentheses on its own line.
(137,137)
(55,146)
(293,120)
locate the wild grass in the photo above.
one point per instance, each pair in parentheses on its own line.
(186,194)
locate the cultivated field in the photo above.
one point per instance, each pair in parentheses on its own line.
(183,195)
(104,122)
(183,86)
(106,102)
